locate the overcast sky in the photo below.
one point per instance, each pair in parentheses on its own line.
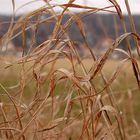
(6,5)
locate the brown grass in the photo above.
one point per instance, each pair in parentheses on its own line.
(57,94)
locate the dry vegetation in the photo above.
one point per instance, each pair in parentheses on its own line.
(52,92)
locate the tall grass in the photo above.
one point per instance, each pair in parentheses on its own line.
(59,94)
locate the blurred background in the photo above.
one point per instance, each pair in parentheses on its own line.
(101,28)
(6,5)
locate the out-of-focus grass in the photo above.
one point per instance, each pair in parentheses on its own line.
(124,88)
(121,87)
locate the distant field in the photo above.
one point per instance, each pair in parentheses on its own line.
(124,86)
